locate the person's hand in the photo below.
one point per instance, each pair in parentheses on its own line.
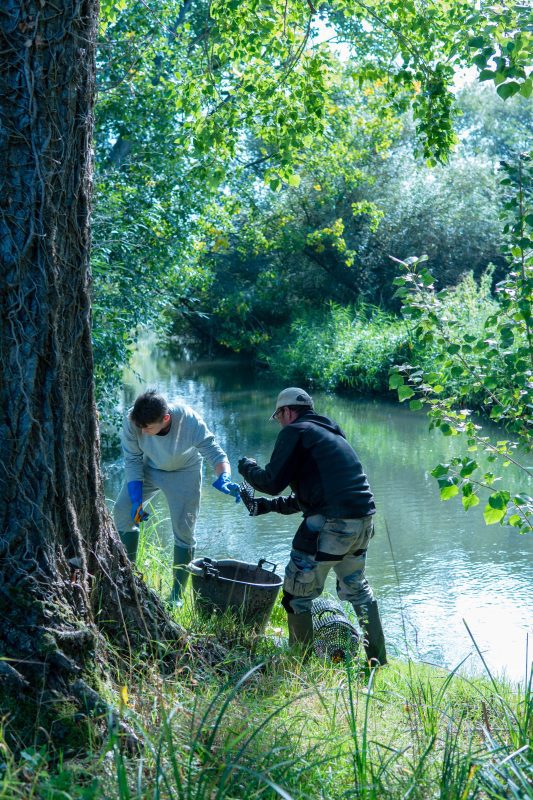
(262,505)
(244,462)
(258,505)
(225,485)
(135,491)
(138,514)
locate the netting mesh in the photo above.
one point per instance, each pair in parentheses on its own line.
(335,637)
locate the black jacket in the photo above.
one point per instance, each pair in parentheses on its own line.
(312,456)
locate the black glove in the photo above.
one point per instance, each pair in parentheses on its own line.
(244,462)
(255,506)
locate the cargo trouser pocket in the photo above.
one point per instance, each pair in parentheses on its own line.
(300,582)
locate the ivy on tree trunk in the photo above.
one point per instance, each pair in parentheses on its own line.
(64,577)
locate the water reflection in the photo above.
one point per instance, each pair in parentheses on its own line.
(432,566)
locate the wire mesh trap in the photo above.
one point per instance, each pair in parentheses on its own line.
(335,637)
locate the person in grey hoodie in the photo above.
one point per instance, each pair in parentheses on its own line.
(164,446)
(329,487)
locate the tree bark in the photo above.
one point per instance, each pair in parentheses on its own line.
(64,577)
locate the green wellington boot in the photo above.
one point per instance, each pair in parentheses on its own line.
(182,556)
(300,630)
(130,540)
(374,640)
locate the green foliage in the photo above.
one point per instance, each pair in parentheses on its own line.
(254,239)
(342,347)
(503,46)
(245,102)
(494,364)
(188,92)
(268,257)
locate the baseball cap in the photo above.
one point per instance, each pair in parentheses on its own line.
(292,397)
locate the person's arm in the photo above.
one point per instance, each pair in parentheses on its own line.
(133,463)
(211,450)
(264,505)
(222,466)
(277,474)
(133,455)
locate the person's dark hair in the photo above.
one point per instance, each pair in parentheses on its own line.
(300,409)
(148,408)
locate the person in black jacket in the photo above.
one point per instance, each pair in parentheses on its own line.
(329,487)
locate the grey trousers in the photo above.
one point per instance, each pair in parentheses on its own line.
(345,542)
(182,492)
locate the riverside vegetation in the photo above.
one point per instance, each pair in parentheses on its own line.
(218,121)
(263,724)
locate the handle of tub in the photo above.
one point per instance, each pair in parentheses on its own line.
(210,571)
(263,561)
(206,568)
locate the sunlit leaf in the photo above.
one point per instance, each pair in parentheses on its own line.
(470,501)
(447,492)
(405,392)
(493,515)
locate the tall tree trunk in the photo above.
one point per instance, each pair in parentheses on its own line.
(62,567)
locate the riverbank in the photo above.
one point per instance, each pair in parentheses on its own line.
(259,723)
(238,717)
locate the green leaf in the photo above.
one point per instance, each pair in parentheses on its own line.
(447,492)
(395,380)
(526,88)
(404,393)
(493,515)
(440,470)
(499,500)
(468,469)
(514,520)
(470,501)
(447,429)
(506,90)
(416,405)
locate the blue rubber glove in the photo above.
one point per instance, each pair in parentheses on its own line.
(135,491)
(225,485)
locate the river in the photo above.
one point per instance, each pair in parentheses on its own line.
(432,566)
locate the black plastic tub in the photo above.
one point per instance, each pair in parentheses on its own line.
(248,590)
